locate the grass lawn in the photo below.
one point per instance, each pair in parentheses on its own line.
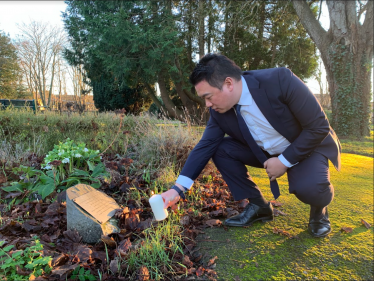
(361,147)
(256,253)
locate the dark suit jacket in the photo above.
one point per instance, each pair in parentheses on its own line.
(290,108)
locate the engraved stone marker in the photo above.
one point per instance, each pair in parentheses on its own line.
(89,211)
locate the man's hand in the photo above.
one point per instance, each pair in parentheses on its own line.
(171,197)
(274,168)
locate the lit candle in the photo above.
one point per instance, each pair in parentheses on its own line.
(157,205)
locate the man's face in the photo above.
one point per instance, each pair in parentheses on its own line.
(219,100)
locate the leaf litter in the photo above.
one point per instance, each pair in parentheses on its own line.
(48,221)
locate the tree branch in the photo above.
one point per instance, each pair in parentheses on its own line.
(368,23)
(310,23)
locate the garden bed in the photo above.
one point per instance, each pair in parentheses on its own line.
(144,249)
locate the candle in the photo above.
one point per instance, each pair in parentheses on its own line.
(157,205)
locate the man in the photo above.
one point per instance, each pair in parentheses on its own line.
(273,121)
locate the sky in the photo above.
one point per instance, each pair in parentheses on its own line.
(18,12)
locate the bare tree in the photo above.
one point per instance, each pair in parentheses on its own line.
(80,88)
(347,53)
(39,49)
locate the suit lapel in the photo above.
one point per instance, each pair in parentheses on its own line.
(262,101)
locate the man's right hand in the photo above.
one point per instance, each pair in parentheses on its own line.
(171,197)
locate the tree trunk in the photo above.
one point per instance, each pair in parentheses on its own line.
(189,38)
(51,86)
(227,28)
(172,110)
(201,28)
(260,35)
(190,95)
(210,26)
(152,94)
(346,50)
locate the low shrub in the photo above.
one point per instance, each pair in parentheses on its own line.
(23,264)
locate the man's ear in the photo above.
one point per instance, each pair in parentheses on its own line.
(229,82)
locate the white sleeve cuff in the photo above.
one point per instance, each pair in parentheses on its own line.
(285,162)
(184,181)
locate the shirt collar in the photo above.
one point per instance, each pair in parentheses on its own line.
(246,97)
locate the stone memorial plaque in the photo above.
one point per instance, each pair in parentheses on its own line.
(97,204)
(90,212)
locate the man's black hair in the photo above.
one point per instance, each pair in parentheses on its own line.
(215,68)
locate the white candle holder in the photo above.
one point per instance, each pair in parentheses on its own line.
(157,205)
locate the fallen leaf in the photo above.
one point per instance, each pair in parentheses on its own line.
(278,212)
(84,253)
(143,273)
(13,194)
(72,236)
(211,261)
(191,270)
(189,247)
(114,266)
(99,255)
(132,220)
(346,229)
(60,260)
(231,212)
(124,246)
(46,238)
(283,232)
(65,269)
(213,222)
(210,272)
(200,271)
(109,241)
(187,262)
(367,225)
(216,213)
(144,224)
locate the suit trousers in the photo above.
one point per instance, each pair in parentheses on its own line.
(309,180)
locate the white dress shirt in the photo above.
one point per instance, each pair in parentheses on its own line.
(263,133)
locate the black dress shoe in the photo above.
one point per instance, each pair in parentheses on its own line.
(319,223)
(251,214)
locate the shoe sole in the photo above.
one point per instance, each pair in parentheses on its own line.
(265,219)
(319,236)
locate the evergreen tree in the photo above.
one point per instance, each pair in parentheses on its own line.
(10,78)
(149,42)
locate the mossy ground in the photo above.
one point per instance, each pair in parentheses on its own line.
(256,253)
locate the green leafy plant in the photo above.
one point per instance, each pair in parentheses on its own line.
(69,155)
(44,183)
(66,165)
(30,260)
(81,274)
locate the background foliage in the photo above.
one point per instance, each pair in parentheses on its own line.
(139,43)
(10,78)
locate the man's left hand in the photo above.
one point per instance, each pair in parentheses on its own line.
(274,168)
